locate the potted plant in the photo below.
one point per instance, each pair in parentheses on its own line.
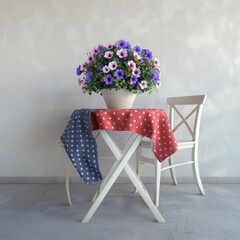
(119,69)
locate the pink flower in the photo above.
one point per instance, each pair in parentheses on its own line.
(90,58)
(95,50)
(131,64)
(119,65)
(156,62)
(79,81)
(136,72)
(113,65)
(82,84)
(122,53)
(108,54)
(137,56)
(143,84)
(110,46)
(105,69)
(82,66)
(158,84)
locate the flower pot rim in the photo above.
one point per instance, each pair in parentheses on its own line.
(118,91)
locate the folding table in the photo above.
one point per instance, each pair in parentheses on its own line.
(151,123)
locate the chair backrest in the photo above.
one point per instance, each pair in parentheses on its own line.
(191,120)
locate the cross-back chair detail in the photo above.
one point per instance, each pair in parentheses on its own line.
(175,103)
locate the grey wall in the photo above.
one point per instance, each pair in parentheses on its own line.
(42,42)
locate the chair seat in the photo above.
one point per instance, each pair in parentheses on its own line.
(185,144)
(147,143)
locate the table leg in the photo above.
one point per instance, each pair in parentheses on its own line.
(143,192)
(122,163)
(112,176)
(116,152)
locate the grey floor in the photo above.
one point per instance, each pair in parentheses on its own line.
(40,212)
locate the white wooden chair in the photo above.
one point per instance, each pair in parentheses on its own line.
(190,123)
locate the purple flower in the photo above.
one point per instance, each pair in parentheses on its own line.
(100,47)
(119,74)
(89,76)
(133,80)
(128,45)
(144,52)
(100,67)
(148,54)
(155,76)
(137,49)
(122,44)
(119,65)
(78,70)
(108,79)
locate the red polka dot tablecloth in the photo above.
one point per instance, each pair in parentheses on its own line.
(151,123)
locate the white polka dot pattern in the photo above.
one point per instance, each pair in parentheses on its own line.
(81,146)
(151,123)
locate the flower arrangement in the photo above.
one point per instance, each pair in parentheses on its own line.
(119,66)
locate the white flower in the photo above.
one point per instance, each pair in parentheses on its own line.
(137,56)
(119,65)
(83,76)
(136,72)
(113,65)
(156,62)
(143,84)
(108,54)
(105,69)
(131,64)
(158,84)
(122,53)
(82,84)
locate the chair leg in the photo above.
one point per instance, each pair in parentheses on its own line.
(172,171)
(138,163)
(69,168)
(196,170)
(157,181)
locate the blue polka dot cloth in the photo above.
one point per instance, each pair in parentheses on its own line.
(81,146)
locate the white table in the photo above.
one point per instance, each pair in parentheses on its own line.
(152,123)
(121,163)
